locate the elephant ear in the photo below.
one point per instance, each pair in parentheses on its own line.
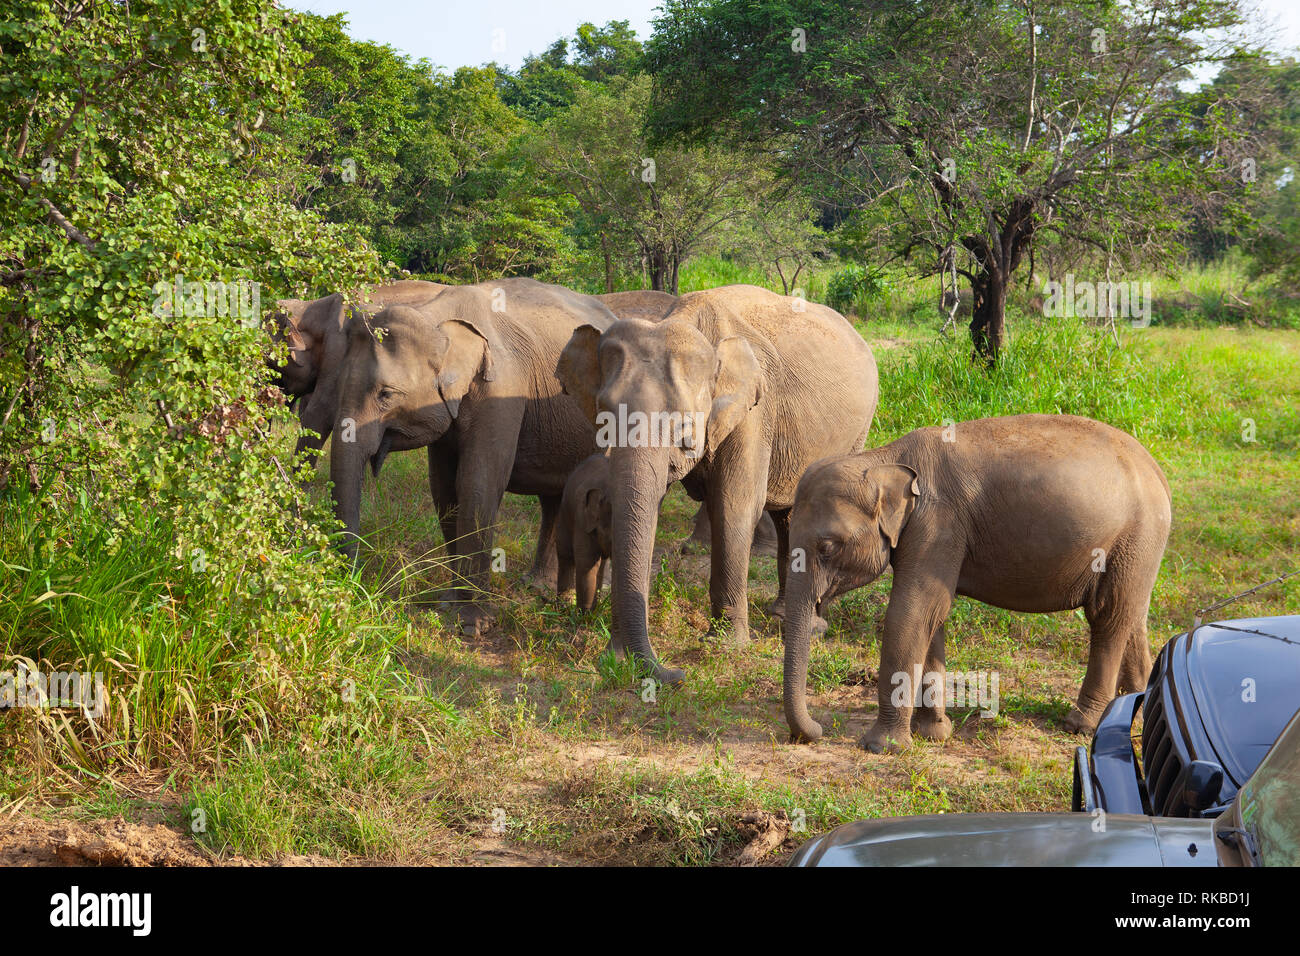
(462,354)
(594,509)
(738,385)
(896,489)
(322,317)
(579,369)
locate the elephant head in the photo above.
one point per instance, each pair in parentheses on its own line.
(404,377)
(663,397)
(310,330)
(849,515)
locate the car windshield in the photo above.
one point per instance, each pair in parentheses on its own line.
(1269,803)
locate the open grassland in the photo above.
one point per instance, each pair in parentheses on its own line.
(529,744)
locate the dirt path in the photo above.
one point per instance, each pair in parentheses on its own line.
(27,840)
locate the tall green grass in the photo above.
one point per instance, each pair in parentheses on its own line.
(194,671)
(1058,366)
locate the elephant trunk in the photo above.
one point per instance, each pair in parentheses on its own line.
(347,467)
(638,477)
(800,605)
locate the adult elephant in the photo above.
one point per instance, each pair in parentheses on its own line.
(748,388)
(1032,513)
(315,333)
(652,306)
(639,304)
(470,374)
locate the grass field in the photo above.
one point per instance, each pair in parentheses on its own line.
(529,745)
(556,742)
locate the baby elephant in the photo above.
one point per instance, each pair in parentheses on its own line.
(582,535)
(1035,513)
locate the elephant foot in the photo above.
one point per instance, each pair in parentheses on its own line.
(727,634)
(1077,723)
(777,609)
(543,579)
(882,740)
(932,727)
(692,545)
(672,676)
(809,733)
(473,620)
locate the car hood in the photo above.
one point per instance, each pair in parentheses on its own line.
(1244,675)
(1014,839)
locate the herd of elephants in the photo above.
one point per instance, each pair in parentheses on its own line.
(766,401)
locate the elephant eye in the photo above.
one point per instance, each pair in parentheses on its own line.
(827,546)
(385,396)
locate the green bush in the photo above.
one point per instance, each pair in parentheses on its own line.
(194,664)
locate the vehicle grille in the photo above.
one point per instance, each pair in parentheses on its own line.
(1161,760)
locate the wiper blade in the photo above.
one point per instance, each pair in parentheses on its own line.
(1240,837)
(1248,630)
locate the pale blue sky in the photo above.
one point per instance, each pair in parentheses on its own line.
(454,33)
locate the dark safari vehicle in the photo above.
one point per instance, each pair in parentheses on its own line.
(1217,699)
(1259,827)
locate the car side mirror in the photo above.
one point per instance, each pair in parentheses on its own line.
(1196,788)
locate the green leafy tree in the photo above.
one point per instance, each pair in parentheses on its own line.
(654,207)
(473,209)
(348,128)
(129,146)
(548,83)
(965,128)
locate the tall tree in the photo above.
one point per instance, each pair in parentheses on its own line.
(661,204)
(974,125)
(127,175)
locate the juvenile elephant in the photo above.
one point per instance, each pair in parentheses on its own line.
(1035,513)
(470,374)
(315,332)
(734,394)
(583,540)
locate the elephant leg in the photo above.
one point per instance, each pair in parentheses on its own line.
(701,532)
(479,491)
(442,486)
(1135,668)
(765,542)
(931,720)
(781,525)
(1118,653)
(918,604)
(564,571)
(734,509)
(1112,629)
(588,567)
(545,565)
(602,577)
